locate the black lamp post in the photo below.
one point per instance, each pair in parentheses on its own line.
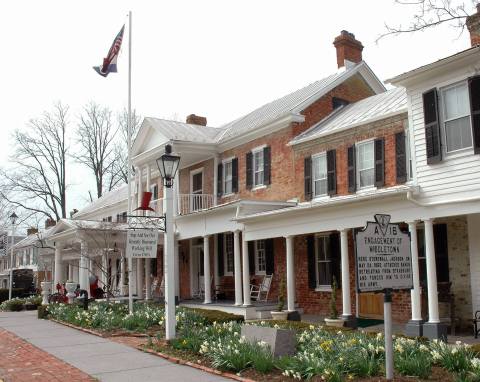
(13,220)
(168,166)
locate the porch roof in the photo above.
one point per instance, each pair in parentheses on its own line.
(67,227)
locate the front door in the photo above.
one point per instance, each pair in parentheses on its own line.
(197,270)
(197,191)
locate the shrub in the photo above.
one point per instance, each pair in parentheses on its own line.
(16,292)
(211,316)
(42,312)
(13,305)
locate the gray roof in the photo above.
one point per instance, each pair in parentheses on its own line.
(370,109)
(34,238)
(108,199)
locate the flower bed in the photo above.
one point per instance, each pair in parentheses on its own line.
(17,304)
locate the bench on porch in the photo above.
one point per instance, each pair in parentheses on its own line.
(224,289)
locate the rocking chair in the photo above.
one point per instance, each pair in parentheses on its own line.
(261,292)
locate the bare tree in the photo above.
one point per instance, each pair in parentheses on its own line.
(37,181)
(96,136)
(431,13)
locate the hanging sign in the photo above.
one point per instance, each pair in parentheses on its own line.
(142,243)
(383,258)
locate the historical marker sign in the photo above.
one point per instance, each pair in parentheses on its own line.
(142,243)
(383,257)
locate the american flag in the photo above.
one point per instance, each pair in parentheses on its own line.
(110,62)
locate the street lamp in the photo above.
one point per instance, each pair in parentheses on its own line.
(168,166)
(13,220)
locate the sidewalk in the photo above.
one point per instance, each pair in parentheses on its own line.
(98,357)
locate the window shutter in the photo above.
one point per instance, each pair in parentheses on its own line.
(220,254)
(331,172)
(249,170)
(308,177)
(312,274)
(474,89)
(432,126)
(235,175)
(251,257)
(379,153)
(267,165)
(269,262)
(401,157)
(336,256)
(352,176)
(220,179)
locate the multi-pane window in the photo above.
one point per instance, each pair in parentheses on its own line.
(319,163)
(258,168)
(229,254)
(456,117)
(260,258)
(227,177)
(365,164)
(409,156)
(154,191)
(323,261)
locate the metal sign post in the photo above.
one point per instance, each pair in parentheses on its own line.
(384,264)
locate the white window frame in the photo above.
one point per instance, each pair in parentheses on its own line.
(254,161)
(257,255)
(224,179)
(322,287)
(444,120)
(319,155)
(357,162)
(226,272)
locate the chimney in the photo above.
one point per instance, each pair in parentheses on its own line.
(348,49)
(193,119)
(73,212)
(31,231)
(50,223)
(473,25)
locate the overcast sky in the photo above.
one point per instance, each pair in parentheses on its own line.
(219,59)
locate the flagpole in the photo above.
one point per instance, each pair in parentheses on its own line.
(129,164)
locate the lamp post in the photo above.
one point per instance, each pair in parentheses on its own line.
(168,166)
(13,220)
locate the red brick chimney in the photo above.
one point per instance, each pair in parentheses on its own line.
(473,25)
(50,223)
(193,119)
(348,48)
(31,231)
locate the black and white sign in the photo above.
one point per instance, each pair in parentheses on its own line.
(142,243)
(383,257)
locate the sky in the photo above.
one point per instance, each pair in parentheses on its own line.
(215,58)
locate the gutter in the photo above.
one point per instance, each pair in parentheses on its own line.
(439,203)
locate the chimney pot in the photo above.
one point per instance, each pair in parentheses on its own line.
(473,26)
(193,119)
(50,223)
(348,48)
(31,231)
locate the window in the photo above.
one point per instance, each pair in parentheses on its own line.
(456,117)
(154,191)
(319,163)
(196,202)
(441,254)
(229,262)
(323,261)
(260,257)
(409,156)
(258,168)
(366,164)
(227,177)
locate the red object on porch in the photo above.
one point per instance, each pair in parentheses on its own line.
(144,206)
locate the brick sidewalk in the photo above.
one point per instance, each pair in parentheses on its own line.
(22,362)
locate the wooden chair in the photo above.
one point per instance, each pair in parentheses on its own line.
(257,291)
(201,290)
(476,321)
(158,291)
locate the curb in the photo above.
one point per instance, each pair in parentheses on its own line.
(196,366)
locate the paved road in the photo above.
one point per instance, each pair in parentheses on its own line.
(96,356)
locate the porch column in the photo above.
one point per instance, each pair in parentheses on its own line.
(140,278)
(246,273)
(177,268)
(83,267)
(290,274)
(139,187)
(104,266)
(113,275)
(433,328)
(70,271)
(58,276)
(147,185)
(206,270)
(148,279)
(216,280)
(237,267)
(122,274)
(414,326)
(346,302)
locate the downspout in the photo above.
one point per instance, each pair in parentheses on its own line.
(422,204)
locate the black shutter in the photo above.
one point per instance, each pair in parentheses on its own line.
(249,170)
(220,254)
(220,179)
(336,257)
(441,252)
(307,168)
(352,176)
(474,88)
(401,157)
(235,175)
(269,262)
(312,274)
(432,126)
(251,257)
(267,165)
(331,172)
(379,162)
